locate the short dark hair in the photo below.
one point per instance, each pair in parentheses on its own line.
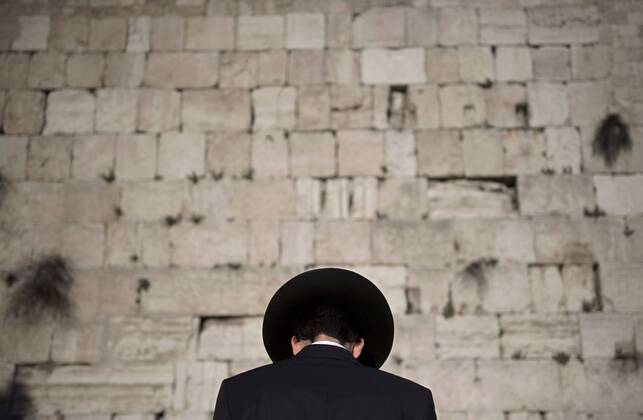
(330,319)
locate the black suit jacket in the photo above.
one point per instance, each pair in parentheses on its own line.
(322,382)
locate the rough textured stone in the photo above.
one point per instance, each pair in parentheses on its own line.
(13,156)
(503,26)
(404,66)
(239,69)
(513,64)
(458,26)
(558,194)
(49,158)
(107,34)
(339,242)
(439,153)
(167,33)
(116,110)
(622,195)
(136,157)
(32,34)
(226,109)
(181,155)
(182,69)
(260,32)
(504,104)
(379,26)
(69,33)
(537,336)
(483,153)
(158,110)
(606,335)
(551,63)
(548,104)
(209,33)
(467,336)
(313,107)
(85,70)
(269,154)
(70,111)
(305,31)
(462,106)
(467,199)
(591,61)
(360,152)
(402,198)
(274,107)
(24,112)
(124,69)
(476,64)
(46,71)
(312,154)
(306,67)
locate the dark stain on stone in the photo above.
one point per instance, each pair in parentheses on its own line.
(612,137)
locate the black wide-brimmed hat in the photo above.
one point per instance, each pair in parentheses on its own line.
(343,287)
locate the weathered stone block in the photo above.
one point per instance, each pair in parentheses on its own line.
(305,31)
(313,107)
(538,336)
(621,195)
(591,61)
(181,155)
(196,388)
(296,241)
(513,64)
(383,66)
(400,154)
(391,280)
(14,69)
(47,70)
(524,151)
(380,27)
(551,63)
(563,25)
(439,153)
(146,339)
(158,110)
(342,67)
(458,26)
(360,152)
(469,199)
(89,202)
(351,107)
(221,243)
(505,103)
(13,157)
(135,157)
(228,339)
(272,68)
(209,33)
(167,33)
(269,154)
(24,112)
(559,240)
(239,69)
(402,198)
(49,158)
(70,111)
(182,69)
(563,150)
(32,34)
(85,70)
(467,336)
(124,69)
(414,331)
(116,110)
(410,241)
(108,33)
(606,335)
(221,109)
(442,65)
(139,31)
(69,33)
(548,104)
(228,153)
(620,287)
(277,197)
(312,154)
(274,107)
(503,26)
(83,244)
(483,153)
(421,27)
(153,201)
(339,30)
(342,241)
(462,105)
(424,108)
(264,247)
(588,102)
(260,32)
(556,194)
(477,64)
(306,67)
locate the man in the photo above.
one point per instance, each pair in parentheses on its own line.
(327,331)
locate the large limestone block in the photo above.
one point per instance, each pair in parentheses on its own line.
(296,242)
(539,336)
(620,195)
(182,69)
(462,105)
(469,199)
(49,158)
(360,152)
(274,107)
(231,339)
(221,109)
(158,110)
(116,110)
(402,198)
(458,26)
(85,70)
(305,31)
(70,111)
(69,33)
(209,33)
(32,34)
(13,157)
(277,198)
(269,154)
(47,70)
(181,155)
(503,25)
(551,63)
(313,107)
(196,388)
(135,157)
(342,241)
(400,153)
(606,335)
(108,34)
(124,70)
(260,32)
(312,154)
(228,153)
(621,287)
(556,194)
(153,201)
(200,246)
(467,336)
(439,153)
(548,104)
(380,27)
(591,61)
(563,25)
(306,67)
(384,66)
(24,112)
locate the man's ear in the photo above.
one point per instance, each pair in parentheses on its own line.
(297,345)
(357,348)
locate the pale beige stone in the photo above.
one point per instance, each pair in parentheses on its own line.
(269,154)
(182,69)
(342,241)
(339,30)
(85,70)
(424,107)
(167,33)
(69,33)
(297,242)
(402,198)
(231,339)
(539,336)
(49,158)
(260,32)
(239,69)
(513,64)
(158,110)
(380,27)
(360,152)
(469,199)
(548,104)
(93,157)
(503,25)
(458,26)
(221,109)
(14,69)
(467,336)
(313,107)
(70,111)
(274,107)
(476,64)
(591,61)
(439,153)
(24,112)
(400,153)
(462,105)
(154,201)
(135,157)
(107,33)
(228,153)
(139,30)
(412,241)
(602,335)
(620,287)
(588,102)
(124,70)
(383,66)
(305,31)
(483,153)
(312,154)
(196,388)
(83,244)
(306,67)
(442,65)
(181,155)
(556,194)
(506,105)
(525,151)
(272,68)
(32,34)
(551,63)
(13,156)
(264,243)
(342,67)
(565,25)
(209,33)
(421,27)
(46,70)
(620,195)
(563,150)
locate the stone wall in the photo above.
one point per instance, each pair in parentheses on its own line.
(480,160)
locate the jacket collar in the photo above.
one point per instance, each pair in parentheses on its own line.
(326,351)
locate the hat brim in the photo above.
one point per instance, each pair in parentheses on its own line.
(344,287)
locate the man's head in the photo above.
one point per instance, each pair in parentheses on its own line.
(327,321)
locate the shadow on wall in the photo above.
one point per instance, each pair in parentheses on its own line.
(612,138)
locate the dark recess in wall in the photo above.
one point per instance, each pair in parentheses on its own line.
(612,138)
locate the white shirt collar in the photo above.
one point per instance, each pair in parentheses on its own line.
(329,342)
